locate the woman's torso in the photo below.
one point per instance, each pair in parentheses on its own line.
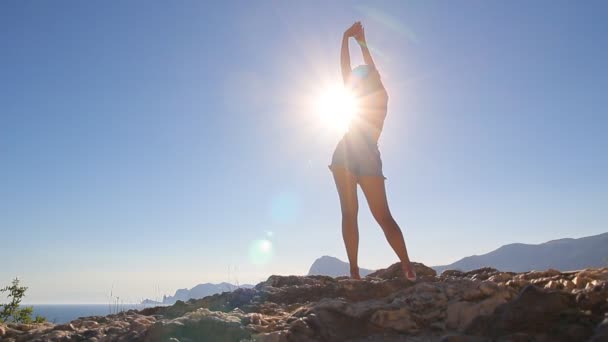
(372,107)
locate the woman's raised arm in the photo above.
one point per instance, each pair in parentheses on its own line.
(344,53)
(367,56)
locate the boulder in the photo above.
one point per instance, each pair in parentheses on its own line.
(395,271)
(536,312)
(200,325)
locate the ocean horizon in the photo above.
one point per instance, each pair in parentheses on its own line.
(63,313)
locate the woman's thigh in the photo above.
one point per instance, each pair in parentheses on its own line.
(346,184)
(375,192)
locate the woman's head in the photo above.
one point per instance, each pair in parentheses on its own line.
(362,71)
(364,77)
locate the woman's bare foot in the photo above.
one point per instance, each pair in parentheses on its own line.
(409,272)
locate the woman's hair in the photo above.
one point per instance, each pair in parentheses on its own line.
(365,79)
(362,71)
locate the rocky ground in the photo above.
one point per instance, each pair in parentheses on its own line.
(481,305)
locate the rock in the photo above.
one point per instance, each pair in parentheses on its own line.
(472,294)
(580,281)
(58,335)
(519,337)
(395,271)
(452,273)
(399,320)
(461,314)
(541,274)
(601,332)
(481,305)
(535,312)
(568,284)
(481,273)
(488,288)
(88,324)
(277,336)
(287,281)
(594,298)
(593,273)
(65,327)
(334,319)
(139,325)
(516,282)
(200,325)
(462,338)
(426,302)
(25,326)
(501,277)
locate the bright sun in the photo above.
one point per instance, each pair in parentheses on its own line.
(336,107)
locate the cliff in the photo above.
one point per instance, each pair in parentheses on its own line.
(480,305)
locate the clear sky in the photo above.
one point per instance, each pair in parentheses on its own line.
(147,146)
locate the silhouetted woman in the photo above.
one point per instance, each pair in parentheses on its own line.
(356,159)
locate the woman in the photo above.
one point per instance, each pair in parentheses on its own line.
(356,159)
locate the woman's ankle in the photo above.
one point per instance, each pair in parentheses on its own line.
(354,272)
(407,266)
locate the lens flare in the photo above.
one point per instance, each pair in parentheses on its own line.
(260,252)
(265,246)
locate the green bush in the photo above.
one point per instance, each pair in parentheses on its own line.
(13,312)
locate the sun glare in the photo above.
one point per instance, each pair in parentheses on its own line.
(336,107)
(265,246)
(260,251)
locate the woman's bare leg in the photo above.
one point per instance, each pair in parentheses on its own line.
(346,183)
(375,193)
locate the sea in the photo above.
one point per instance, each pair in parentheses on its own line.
(63,313)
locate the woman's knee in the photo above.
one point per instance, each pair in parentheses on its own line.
(386,220)
(349,216)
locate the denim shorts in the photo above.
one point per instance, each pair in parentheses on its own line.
(358,154)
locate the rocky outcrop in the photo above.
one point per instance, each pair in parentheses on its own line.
(197,292)
(480,305)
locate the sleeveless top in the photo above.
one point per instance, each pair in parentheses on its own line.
(372,103)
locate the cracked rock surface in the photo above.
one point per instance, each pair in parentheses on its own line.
(481,305)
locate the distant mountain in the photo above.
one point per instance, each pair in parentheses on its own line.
(333,267)
(562,254)
(197,292)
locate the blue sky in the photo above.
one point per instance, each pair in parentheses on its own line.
(147,146)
